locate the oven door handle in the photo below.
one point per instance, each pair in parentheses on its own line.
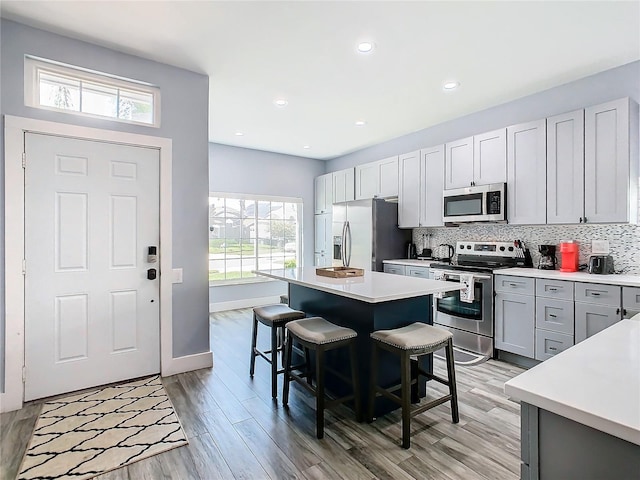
(456,276)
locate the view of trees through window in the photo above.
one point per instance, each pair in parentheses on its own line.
(247,234)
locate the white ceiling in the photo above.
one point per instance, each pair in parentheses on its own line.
(305,52)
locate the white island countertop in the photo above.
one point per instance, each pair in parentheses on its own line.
(622,280)
(372,287)
(596,382)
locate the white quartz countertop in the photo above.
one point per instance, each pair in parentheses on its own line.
(372,287)
(596,382)
(623,280)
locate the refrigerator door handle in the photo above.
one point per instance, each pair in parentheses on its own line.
(349,235)
(343,246)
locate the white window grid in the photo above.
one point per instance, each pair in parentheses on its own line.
(37,70)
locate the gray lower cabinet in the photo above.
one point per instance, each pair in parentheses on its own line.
(420,272)
(630,301)
(396,269)
(592,318)
(597,307)
(550,343)
(554,317)
(515,323)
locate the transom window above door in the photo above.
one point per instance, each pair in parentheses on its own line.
(252,232)
(54,86)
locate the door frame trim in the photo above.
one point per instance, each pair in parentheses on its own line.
(14,129)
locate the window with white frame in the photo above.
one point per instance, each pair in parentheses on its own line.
(252,232)
(54,86)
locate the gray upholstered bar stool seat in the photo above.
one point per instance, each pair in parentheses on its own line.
(275,317)
(416,339)
(319,335)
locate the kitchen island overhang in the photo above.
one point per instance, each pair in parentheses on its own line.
(374,301)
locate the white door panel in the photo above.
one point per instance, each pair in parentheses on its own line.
(91,315)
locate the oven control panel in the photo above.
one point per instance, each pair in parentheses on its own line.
(490,249)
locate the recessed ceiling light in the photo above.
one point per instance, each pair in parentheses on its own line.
(280,102)
(306,147)
(366,47)
(451,85)
(360,123)
(239,134)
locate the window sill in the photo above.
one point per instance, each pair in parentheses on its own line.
(235,282)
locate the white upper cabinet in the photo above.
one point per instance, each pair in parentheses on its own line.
(527,173)
(377,179)
(459,163)
(611,162)
(432,181)
(477,160)
(421,181)
(592,164)
(490,157)
(343,185)
(323,193)
(410,185)
(565,168)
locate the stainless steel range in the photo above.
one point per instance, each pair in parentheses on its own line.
(469,314)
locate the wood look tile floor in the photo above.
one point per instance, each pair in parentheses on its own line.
(235,431)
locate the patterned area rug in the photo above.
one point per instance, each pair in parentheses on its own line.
(84,435)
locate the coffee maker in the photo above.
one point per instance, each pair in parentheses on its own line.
(548,259)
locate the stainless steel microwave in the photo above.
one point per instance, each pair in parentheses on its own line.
(481,203)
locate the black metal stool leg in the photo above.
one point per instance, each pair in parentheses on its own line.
(451,374)
(254,337)
(373,381)
(274,362)
(288,347)
(405,366)
(320,392)
(355,381)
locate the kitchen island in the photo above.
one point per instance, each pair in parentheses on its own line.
(580,410)
(374,301)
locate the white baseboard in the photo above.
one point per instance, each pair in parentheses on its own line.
(188,363)
(244,303)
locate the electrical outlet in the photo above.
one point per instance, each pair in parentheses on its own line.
(177,275)
(599,247)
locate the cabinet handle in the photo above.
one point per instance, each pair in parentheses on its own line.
(595,294)
(585,219)
(552,315)
(617,311)
(624,311)
(513,284)
(553,349)
(580,219)
(553,289)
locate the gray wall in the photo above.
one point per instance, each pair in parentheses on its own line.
(184,119)
(619,82)
(242,170)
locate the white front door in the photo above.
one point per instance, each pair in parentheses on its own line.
(91,313)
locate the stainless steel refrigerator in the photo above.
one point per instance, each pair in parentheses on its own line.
(365,232)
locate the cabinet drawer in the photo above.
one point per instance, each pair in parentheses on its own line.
(598,293)
(422,272)
(511,284)
(631,299)
(560,289)
(549,344)
(554,315)
(393,268)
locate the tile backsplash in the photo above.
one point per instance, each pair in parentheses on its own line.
(624,240)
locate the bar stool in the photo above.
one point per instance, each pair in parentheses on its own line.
(417,339)
(316,333)
(275,317)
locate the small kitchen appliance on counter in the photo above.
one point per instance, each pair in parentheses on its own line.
(569,256)
(601,264)
(412,251)
(548,258)
(444,253)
